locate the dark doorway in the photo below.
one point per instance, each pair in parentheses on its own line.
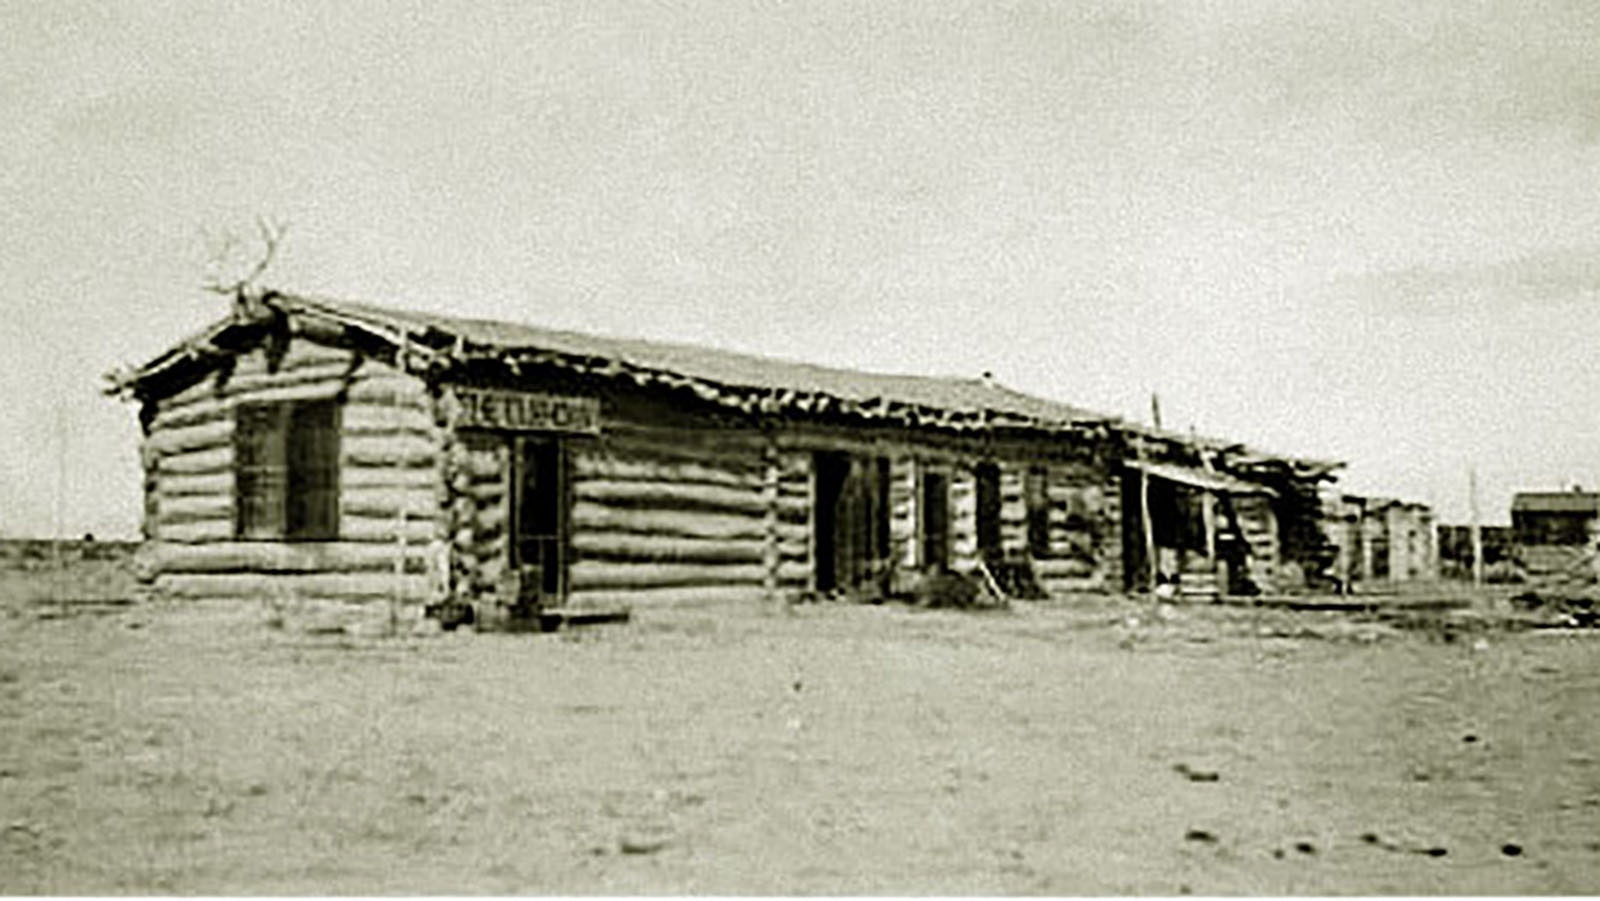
(832,473)
(882,511)
(988,478)
(1135,549)
(935,509)
(1036,500)
(851,520)
(539,514)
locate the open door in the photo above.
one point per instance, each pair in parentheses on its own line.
(539,510)
(851,522)
(987,476)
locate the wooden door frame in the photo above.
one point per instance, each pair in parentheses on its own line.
(562,538)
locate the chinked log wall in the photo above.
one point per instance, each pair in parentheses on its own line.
(1084,525)
(389,443)
(1259,528)
(1082,484)
(663,515)
(660,513)
(1085,531)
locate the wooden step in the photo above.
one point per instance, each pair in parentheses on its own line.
(557,618)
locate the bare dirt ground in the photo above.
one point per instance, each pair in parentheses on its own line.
(1088,746)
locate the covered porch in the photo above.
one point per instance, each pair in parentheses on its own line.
(1204,532)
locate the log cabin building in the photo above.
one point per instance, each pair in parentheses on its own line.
(1381,540)
(1557,536)
(314,450)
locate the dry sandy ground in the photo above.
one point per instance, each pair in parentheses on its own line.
(1051,749)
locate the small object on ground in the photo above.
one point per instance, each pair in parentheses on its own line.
(1194,775)
(1200,835)
(1469,738)
(1305,847)
(1434,851)
(641,844)
(1277,853)
(1377,841)
(798,685)
(1511,849)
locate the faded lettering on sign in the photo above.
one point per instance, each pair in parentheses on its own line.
(523,412)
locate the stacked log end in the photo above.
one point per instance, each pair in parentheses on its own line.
(1260,531)
(904,512)
(963,519)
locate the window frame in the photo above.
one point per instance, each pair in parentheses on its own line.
(275,485)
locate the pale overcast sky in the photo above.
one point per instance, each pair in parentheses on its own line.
(1351,229)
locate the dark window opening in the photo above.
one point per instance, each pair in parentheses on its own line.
(1551,528)
(1177,516)
(1380,558)
(988,478)
(935,508)
(540,506)
(286,471)
(832,471)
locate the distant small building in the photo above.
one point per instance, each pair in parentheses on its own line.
(1556,534)
(1381,539)
(1455,551)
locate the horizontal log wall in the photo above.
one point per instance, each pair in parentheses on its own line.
(793,522)
(656,598)
(904,500)
(1110,550)
(1085,529)
(276,557)
(388,445)
(477,476)
(1013,508)
(291,588)
(663,513)
(963,519)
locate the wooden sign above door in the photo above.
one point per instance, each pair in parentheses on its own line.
(520,411)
